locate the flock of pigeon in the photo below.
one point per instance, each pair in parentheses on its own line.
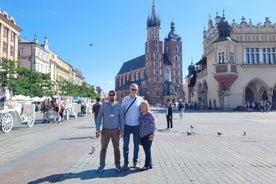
(191,132)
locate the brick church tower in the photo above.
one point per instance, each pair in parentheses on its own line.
(158,72)
(153,59)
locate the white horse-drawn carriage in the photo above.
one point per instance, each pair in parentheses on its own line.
(71,108)
(14,112)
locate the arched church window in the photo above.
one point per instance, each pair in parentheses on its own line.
(167,74)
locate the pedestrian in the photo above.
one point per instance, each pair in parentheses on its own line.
(131,105)
(147,128)
(95,109)
(4,94)
(169,115)
(61,108)
(181,107)
(55,105)
(110,125)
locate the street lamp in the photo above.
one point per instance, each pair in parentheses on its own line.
(32,60)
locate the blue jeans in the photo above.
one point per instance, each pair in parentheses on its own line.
(134,130)
(146,143)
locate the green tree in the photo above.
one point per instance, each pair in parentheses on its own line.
(7,68)
(41,85)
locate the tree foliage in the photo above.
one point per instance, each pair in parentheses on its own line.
(19,81)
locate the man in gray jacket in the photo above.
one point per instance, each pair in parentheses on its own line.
(110,125)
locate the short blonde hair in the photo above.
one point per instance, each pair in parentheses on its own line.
(146,103)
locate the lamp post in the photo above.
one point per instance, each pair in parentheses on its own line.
(32,60)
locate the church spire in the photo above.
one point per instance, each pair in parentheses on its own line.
(153,20)
(153,9)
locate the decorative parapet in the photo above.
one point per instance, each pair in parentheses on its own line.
(226,74)
(226,67)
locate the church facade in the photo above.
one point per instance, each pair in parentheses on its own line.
(238,66)
(158,72)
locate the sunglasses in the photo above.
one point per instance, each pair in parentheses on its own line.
(133,89)
(111,95)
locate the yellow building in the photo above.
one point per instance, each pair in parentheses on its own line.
(9,35)
(238,66)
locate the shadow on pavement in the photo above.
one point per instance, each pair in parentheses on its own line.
(84,175)
(76,138)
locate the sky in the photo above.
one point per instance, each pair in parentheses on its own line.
(117,28)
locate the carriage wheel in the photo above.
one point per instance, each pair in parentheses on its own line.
(7,122)
(30,121)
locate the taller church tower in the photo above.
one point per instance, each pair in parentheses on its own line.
(153,59)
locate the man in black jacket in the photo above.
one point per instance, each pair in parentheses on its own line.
(169,115)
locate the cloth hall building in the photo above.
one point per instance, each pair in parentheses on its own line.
(238,65)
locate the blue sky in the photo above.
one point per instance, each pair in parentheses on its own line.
(117,28)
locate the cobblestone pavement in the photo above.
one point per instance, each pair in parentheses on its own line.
(203,157)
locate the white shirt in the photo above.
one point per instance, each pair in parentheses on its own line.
(132,115)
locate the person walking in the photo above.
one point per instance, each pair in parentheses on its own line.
(147,128)
(95,109)
(131,105)
(181,107)
(110,118)
(169,115)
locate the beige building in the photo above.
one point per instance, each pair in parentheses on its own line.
(238,65)
(9,35)
(41,59)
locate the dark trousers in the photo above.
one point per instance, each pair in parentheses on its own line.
(114,135)
(146,143)
(169,122)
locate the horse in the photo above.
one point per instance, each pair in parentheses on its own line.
(45,108)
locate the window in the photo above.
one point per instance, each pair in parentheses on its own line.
(221,57)
(251,56)
(268,55)
(11,50)
(12,36)
(175,58)
(4,48)
(5,32)
(176,48)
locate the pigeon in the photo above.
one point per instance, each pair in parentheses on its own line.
(244,133)
(92,150)
(189,133)
(219,133)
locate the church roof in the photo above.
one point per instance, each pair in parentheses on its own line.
(134,64)
(138,63)
(127,85)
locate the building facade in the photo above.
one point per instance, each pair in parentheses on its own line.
(238,66)
(158,72)
(9,36)
(39,58)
